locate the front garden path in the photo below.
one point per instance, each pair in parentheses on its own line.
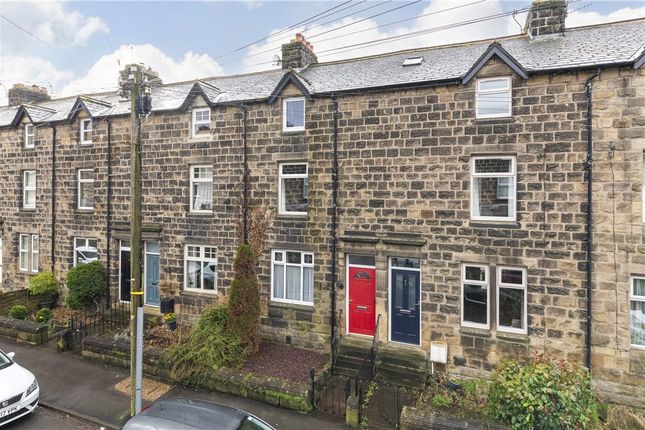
(87,389)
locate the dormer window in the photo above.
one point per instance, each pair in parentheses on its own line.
(86,132)
(201,122)
(293,114)
(494,97)
(30,136)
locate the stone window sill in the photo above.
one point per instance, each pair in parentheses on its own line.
(287,217)
(200,294)
(494,224)
(200,214)
(471,331)
(499,120)
(291,306)
(27,210)
(199,139)
(84,211)
(512,337)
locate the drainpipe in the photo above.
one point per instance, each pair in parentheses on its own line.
(53,214)
(245,179)
(589,88)
(334,221)
(108,207)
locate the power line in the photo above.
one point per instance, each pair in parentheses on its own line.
(401,20)
(365,19)
(25,30)
(355,32)
(317,16)
(349,14)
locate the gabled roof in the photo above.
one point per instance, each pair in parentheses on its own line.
(289,78)
(34,113)
(93,106)
(210,93)
(605,45)
(495,50)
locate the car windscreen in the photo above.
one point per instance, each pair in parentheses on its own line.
(4,361)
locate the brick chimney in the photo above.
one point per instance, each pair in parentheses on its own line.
(546,17)
(298,53)
(21,93)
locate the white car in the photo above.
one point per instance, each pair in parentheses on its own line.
(18,390)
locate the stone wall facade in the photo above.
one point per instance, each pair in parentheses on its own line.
(404,192)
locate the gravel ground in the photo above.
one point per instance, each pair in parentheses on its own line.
(284,361)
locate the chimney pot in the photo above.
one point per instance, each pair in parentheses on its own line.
(23,94)
(298,53)
(546,17)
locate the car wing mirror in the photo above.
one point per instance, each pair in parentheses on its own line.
(11,355)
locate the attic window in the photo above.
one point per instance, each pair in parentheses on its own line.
(29,136)
(412,61)
(293,114)
(201,122)
(86,131)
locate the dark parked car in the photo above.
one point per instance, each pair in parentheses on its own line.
(185,414)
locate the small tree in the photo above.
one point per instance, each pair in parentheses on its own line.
(85,283)
(244,300)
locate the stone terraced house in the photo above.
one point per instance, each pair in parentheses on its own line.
(458,216)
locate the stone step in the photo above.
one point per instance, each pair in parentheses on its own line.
(402,376)
(401,357)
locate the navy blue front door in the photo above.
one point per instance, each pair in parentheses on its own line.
(405,306)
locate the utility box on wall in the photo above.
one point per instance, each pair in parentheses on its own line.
(439,352)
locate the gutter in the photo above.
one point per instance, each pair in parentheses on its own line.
(589,166)
(53,202)
(334,225)
(108,206)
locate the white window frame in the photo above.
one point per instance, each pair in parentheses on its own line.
(499,285)
(508,90)
(634,298)
(302,265)
(643,188)
(79,187)
(32,252)
(194,180)
(85,129)
(284,114)
(86,243)
(513,183)
(201,259)
(195,122)
(30,133)
(26,189)
(485,284)
(281,197)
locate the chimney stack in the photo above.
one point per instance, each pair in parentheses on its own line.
(298,53)
(546,17)
(21,93)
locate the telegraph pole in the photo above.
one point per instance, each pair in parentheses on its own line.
(134,83)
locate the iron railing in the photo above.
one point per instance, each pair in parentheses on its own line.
(102,318)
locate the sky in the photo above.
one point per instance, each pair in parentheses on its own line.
(77,47)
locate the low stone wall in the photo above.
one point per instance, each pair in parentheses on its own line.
(23,330)
(420,419)
(18,297)
(274,391)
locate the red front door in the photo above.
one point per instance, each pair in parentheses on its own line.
(362,300)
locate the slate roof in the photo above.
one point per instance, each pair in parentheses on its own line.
(621,43)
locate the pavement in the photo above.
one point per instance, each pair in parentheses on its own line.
(89,390)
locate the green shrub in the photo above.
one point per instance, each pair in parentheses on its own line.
(43,316)
(244,300)
(19,312)
(442,401)
(43,284)
(85,283)
(208,346)
(543,394)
